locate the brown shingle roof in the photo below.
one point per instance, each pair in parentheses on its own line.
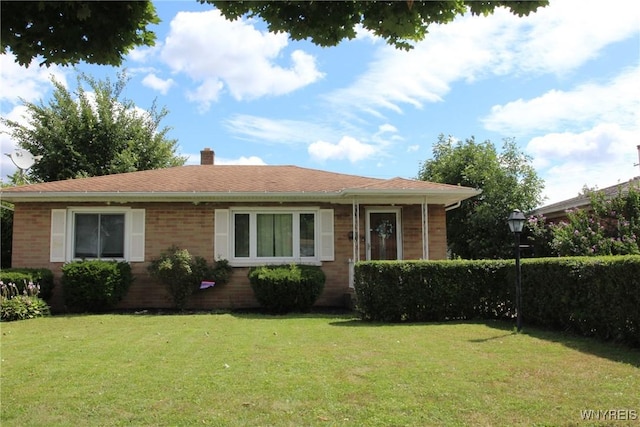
(221,179)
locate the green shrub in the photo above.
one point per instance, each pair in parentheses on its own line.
(95,286)
(182,273)
(416,291)
(287,288)
(21,277)
(22,304)
(593,296)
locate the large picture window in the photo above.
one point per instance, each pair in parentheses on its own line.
(275,235)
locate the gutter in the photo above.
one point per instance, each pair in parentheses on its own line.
(453,206)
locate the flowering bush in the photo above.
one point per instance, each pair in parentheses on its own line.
(611,227)
(16,305)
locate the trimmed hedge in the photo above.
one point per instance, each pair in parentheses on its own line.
(594,296)
(22,276)
(287,288)
(95,286)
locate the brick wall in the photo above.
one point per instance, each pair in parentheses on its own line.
(191,226)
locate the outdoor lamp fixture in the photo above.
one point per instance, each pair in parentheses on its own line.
(516,224)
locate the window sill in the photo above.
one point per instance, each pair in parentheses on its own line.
(259,262)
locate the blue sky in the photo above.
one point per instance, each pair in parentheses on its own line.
(564,82)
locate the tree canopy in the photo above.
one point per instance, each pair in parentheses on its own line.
(478,228)
(327,23)
(93,132)
(100,32)
(67,32)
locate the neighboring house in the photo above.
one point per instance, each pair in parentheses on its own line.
(249,215)
(557,212)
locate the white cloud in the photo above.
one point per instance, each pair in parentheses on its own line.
(556,39)
(566,34)
(617,101)
(29,83)
(143,53)
(413,148)
(266,130)
(242,160)
(601,156)
(194,159)
(347,148)
(156,83)
(233,55)
(7,144)
(387,128)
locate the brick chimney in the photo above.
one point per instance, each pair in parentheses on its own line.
(207,156)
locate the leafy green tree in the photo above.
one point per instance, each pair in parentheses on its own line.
(67,32)
(327,23)
(93,132)
(478,228)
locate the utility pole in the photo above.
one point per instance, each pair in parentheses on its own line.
(638,164)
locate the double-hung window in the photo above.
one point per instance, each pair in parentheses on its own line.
(253,236)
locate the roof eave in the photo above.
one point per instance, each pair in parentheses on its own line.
(435,196)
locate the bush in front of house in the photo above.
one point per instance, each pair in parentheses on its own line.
(287,288)
(21,277)
(18,303)
(593,296)
(418,291)
(95,286)
(182,273)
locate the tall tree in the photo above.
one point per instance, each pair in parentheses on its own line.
(478,228)
(101,32)
(93,132)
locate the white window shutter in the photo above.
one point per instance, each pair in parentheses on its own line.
(221,234)
(57,248)
(137,235)
(326,235)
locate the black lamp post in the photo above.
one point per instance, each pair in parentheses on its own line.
(516,223)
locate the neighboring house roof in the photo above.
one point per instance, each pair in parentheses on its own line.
(225,182)
(582,201)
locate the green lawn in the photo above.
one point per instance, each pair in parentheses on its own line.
(326,370)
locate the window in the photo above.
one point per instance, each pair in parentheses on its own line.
(276,235)
(249,236)
(97,233)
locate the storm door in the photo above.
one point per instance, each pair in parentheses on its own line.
(384,236)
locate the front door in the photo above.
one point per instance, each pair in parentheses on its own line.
(384,236)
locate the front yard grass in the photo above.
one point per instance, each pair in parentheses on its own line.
(316,369)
